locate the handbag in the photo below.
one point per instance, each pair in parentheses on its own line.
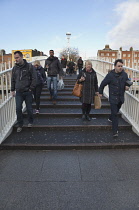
(97,102)
(77,90)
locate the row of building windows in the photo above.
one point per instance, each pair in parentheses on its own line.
(113,54)
(107,54)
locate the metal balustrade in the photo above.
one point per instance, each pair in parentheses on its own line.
(129,110)
(7,103)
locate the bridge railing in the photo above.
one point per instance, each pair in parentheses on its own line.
(7,103)
(130,108)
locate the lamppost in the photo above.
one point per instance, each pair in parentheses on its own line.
(68,34)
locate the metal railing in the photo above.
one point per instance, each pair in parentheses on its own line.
(7,103)
(130,108)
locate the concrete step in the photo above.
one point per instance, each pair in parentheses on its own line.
(69,109)
(57,119)
(43,138)
(65,89)
(66,103)
(65,97)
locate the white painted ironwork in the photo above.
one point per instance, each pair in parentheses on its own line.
(130,109)
(7,103)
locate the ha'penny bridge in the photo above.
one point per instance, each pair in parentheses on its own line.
(61,126)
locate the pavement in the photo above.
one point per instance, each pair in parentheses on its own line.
(69,180)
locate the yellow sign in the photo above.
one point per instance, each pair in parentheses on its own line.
(27,54)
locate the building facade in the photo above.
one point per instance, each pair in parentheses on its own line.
(130,57)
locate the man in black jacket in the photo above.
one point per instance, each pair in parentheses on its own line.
(53,68)
(64,64)
(116,80)
(23,81)
(80,64)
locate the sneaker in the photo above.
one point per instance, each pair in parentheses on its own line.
(37,111)
(115,134)
(30,125)
(109,120)
(19,129)
(88,118)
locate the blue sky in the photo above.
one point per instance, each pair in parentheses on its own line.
(42,25)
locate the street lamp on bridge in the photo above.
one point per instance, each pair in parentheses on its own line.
(68,34)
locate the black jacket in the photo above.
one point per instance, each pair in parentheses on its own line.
(23,77)
(71,65)
(80,63)
(63,63)
(54,66)
(41,76)
(116,83)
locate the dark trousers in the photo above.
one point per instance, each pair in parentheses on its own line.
(37,93)
(27,97)
(86,108)
(114,116)
(71,71)
(80,69)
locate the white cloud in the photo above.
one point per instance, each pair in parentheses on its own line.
(126,31)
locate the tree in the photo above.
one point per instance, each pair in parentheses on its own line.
(73,54)
(2,52)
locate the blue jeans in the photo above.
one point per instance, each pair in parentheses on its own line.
(27,97)
(53,92)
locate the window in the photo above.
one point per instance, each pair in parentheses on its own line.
(124,55)
(102,54)
(113,54)
(107,54)
(128,55)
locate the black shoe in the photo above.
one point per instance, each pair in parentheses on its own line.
(88,118)
(115,134)
(83,117)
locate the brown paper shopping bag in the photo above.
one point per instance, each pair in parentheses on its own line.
(97,102)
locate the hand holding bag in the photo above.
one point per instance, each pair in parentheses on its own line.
(97,102)
(77,90)
(60,84)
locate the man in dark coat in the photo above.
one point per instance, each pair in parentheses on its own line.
(64,64)
(116,80)
(23,81)
(80,64)
(71,66)
(53,68)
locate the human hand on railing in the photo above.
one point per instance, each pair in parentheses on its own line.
(97,93)
(13,93)
(126,88)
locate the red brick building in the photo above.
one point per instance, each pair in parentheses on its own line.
(130,57)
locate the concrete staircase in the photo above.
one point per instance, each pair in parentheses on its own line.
(60,126)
